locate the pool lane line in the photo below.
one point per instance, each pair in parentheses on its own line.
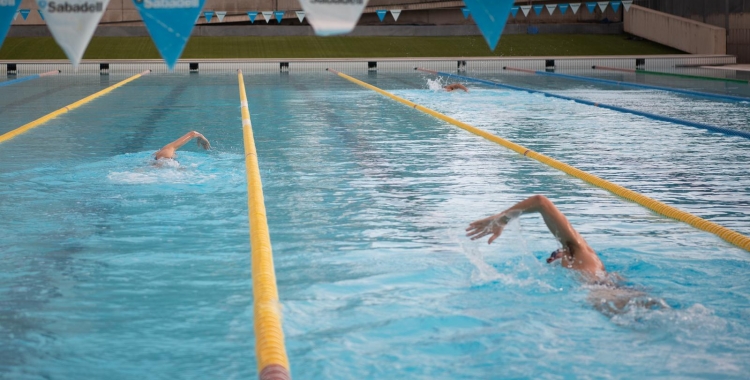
(701,77)
(30,77)
(728,235)
(26,127)
(708,127)
(634,85)
(269,337)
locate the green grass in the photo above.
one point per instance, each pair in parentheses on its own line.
(342,47)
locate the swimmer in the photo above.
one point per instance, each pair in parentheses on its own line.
(455,86)
(168,151)
(606,296)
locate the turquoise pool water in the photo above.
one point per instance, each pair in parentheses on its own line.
(114,268)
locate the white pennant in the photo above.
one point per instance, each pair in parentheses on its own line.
(525,9)
(395,13)
(626,4)
(300,15)
(603,5)
(72,23)
(220,15)
(574,7)
(333,17)
(267,15)
(551,8)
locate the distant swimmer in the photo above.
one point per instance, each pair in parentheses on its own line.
(168,151)
(455,86)
(606,295)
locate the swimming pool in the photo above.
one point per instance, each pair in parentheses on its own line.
(118,269)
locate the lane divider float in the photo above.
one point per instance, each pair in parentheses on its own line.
(30,77)
(270,352)
(708,127)
(28,126)
(636,71)
(728,235)
(634,85)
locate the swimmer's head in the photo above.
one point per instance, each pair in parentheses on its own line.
(555,255)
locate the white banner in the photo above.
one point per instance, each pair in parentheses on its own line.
(267,15)
(525,9)
(329,17)
(220,15)
(626,4)
(551,8)
(300,15)
(395,13)
(574,7)
(603,5)
(72,23)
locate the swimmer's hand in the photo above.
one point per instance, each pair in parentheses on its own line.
(202,141)
(491,225)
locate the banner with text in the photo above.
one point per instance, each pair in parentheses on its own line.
(72,24)
(329,17)
(8,12)
(169,22)
(490,16)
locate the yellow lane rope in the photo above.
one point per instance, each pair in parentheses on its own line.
(26,127)
(269,337)
(730,236)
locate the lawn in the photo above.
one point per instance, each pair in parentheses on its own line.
(343,47)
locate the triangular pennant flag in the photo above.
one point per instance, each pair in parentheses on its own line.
(40,14)
(466,12)
(514,11)
(300,15)
(267,16)
(208,15)
(169,22)
(490,16)
(626,4)
(395,13)
(252,16)
(574,7)
(525,9)
(333,17)
(72,24)
(381,14)
(591,7)
(220,15)
(603,5)
(538,9)
(563,8)
(279,16)
(15,16)
(615,5)
(24,13)
(551,8)
(8,13)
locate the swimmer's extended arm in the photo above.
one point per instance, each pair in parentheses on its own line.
(556,222)
(168,150)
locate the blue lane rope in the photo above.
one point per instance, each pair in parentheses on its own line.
(26,78)
(707,127)
(650,87)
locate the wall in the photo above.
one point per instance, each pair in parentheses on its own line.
(677,32)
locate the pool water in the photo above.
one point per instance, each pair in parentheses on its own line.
(116,268)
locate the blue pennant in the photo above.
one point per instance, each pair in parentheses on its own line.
(538,9)
(6,18)
(514,11)
(615,5)
(40,14)
(490,16)
(170,25)
(381,14)
(563,8)
(466,12)
(252,16)
(209,16)
(24,13)
(279,16)
(591,7)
